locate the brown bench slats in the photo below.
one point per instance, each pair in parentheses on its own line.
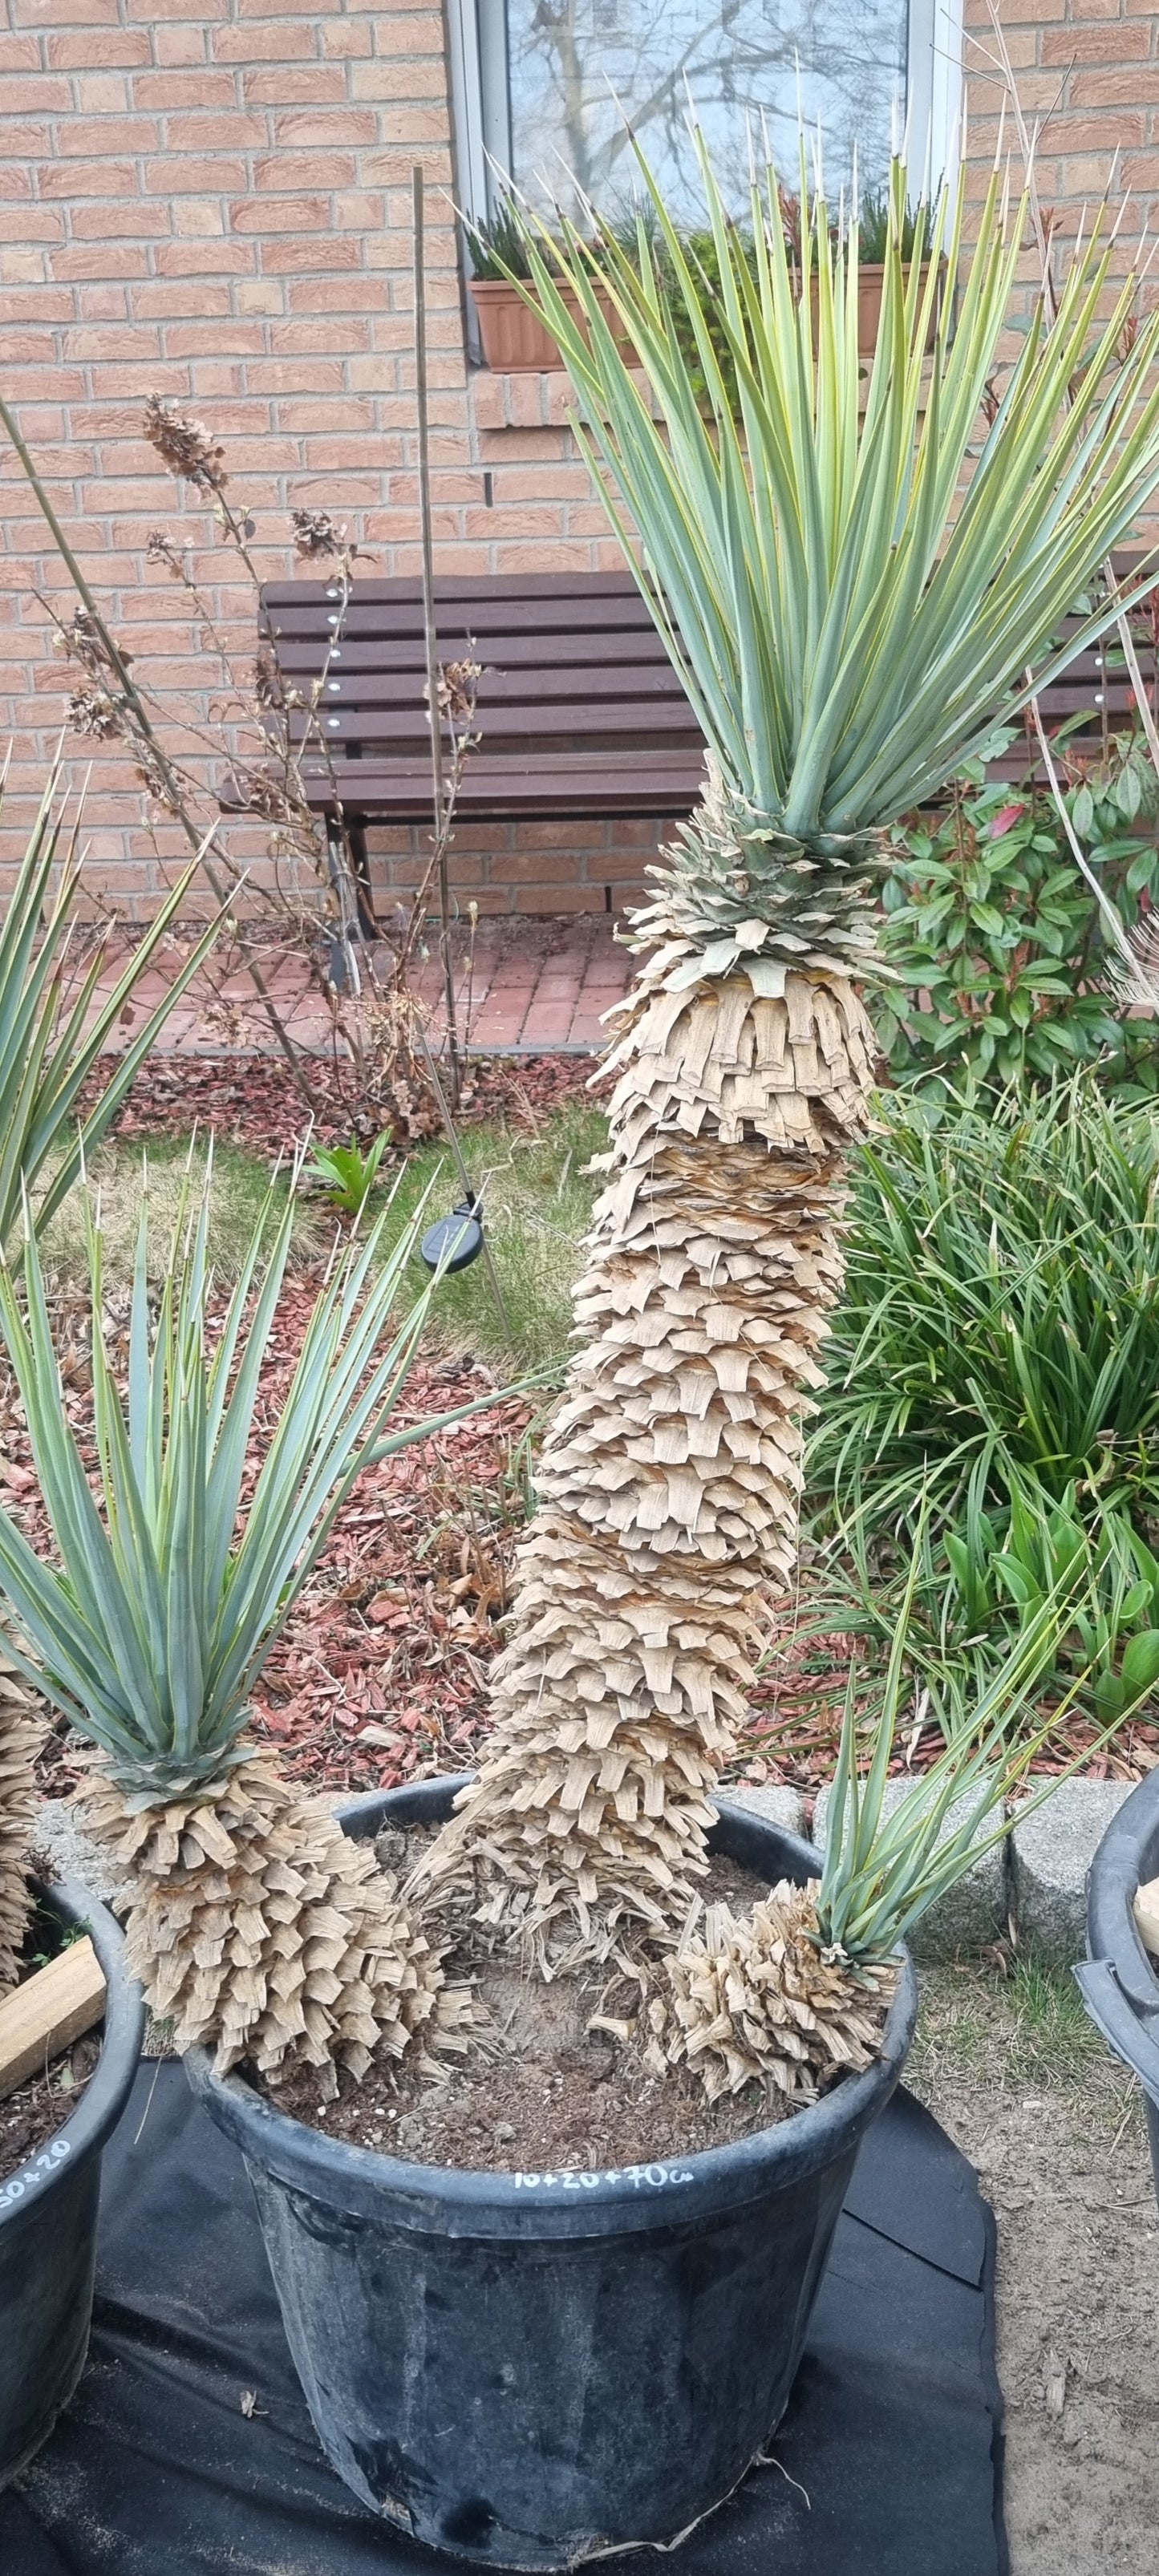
(579,711)
(549,789)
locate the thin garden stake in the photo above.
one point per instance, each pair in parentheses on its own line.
(424,461)
(193,837)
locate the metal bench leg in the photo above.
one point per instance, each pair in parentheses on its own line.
(363,891)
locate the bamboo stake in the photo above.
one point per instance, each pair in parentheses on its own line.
(428,556)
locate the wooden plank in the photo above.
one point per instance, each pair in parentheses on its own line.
(1147,1915)
(568,724)
(519,617)
(467,585)
(45,2014)
(586,650)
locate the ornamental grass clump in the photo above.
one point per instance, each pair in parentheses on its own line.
(253,1921)
(853,579)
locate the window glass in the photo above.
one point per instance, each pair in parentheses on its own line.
(576,67)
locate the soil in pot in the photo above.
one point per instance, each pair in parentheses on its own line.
(550,2092)
(31,2115)
(35,2109)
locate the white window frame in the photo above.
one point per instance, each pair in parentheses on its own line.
(481,108)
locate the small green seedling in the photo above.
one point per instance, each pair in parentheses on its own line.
(347,1173)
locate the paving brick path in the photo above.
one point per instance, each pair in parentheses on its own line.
(531,986)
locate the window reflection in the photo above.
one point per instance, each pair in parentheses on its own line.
(570,61)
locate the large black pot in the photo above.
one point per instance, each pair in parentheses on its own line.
(531,2369)
(48,2211)
(1119,1983)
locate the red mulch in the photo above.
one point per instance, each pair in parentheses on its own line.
(252,1099)
(796,1709)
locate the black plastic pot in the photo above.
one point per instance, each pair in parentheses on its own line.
(1119,1984)
(48,2212)
(529,2369)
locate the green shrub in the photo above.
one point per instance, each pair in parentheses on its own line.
(994,1366)
(998,942)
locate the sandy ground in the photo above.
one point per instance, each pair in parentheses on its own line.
(1056,2132)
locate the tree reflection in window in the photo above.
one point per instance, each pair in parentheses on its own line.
(576,67)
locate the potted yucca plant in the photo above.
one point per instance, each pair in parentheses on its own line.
(252,1922)
(853,581)
(529,2366)
(57,1019)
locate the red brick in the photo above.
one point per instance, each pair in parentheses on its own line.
(27,223)
(188,87)
(235,132)
(192,177)
(1138,88)
(296,376)
(322,170)
(157,302)
(336,295)
(280,215)
(284,258)
(87,179)
(117,222)
(255,44)
(40,95)
(19,53)
(179,45)
(312,337)
(203,259)
(36,304)
(1118,42)
(107,134)
(303,85)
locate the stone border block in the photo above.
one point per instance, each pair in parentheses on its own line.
(1050,1863)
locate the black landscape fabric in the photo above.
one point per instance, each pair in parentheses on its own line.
(188,2450)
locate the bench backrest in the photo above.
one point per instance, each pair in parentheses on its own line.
(579,711)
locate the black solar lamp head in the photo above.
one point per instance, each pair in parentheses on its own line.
(457,1240)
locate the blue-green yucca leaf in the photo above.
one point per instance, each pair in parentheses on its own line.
(172,1586)
(852,579)
(51,1038)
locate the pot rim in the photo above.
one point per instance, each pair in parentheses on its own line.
(108,2087)
(457,2200)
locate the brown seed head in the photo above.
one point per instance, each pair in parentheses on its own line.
(185,446)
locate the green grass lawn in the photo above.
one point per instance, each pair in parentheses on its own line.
(537,1204)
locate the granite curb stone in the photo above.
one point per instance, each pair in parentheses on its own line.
(1050,1862)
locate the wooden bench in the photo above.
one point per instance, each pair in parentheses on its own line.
(579,712)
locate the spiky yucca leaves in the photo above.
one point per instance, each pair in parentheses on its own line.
(250,1916)
(667,1490)
(54,1028)
(794,1994)
(847,620)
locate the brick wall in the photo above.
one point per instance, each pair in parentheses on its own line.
(1088,75)
(211,199)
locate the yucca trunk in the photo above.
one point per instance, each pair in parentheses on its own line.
(21,1736)
(261,1930)
(669,1482)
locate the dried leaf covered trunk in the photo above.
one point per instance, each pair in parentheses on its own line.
(756,1999)
(21,1735)
(669,1484)
(266,1933)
